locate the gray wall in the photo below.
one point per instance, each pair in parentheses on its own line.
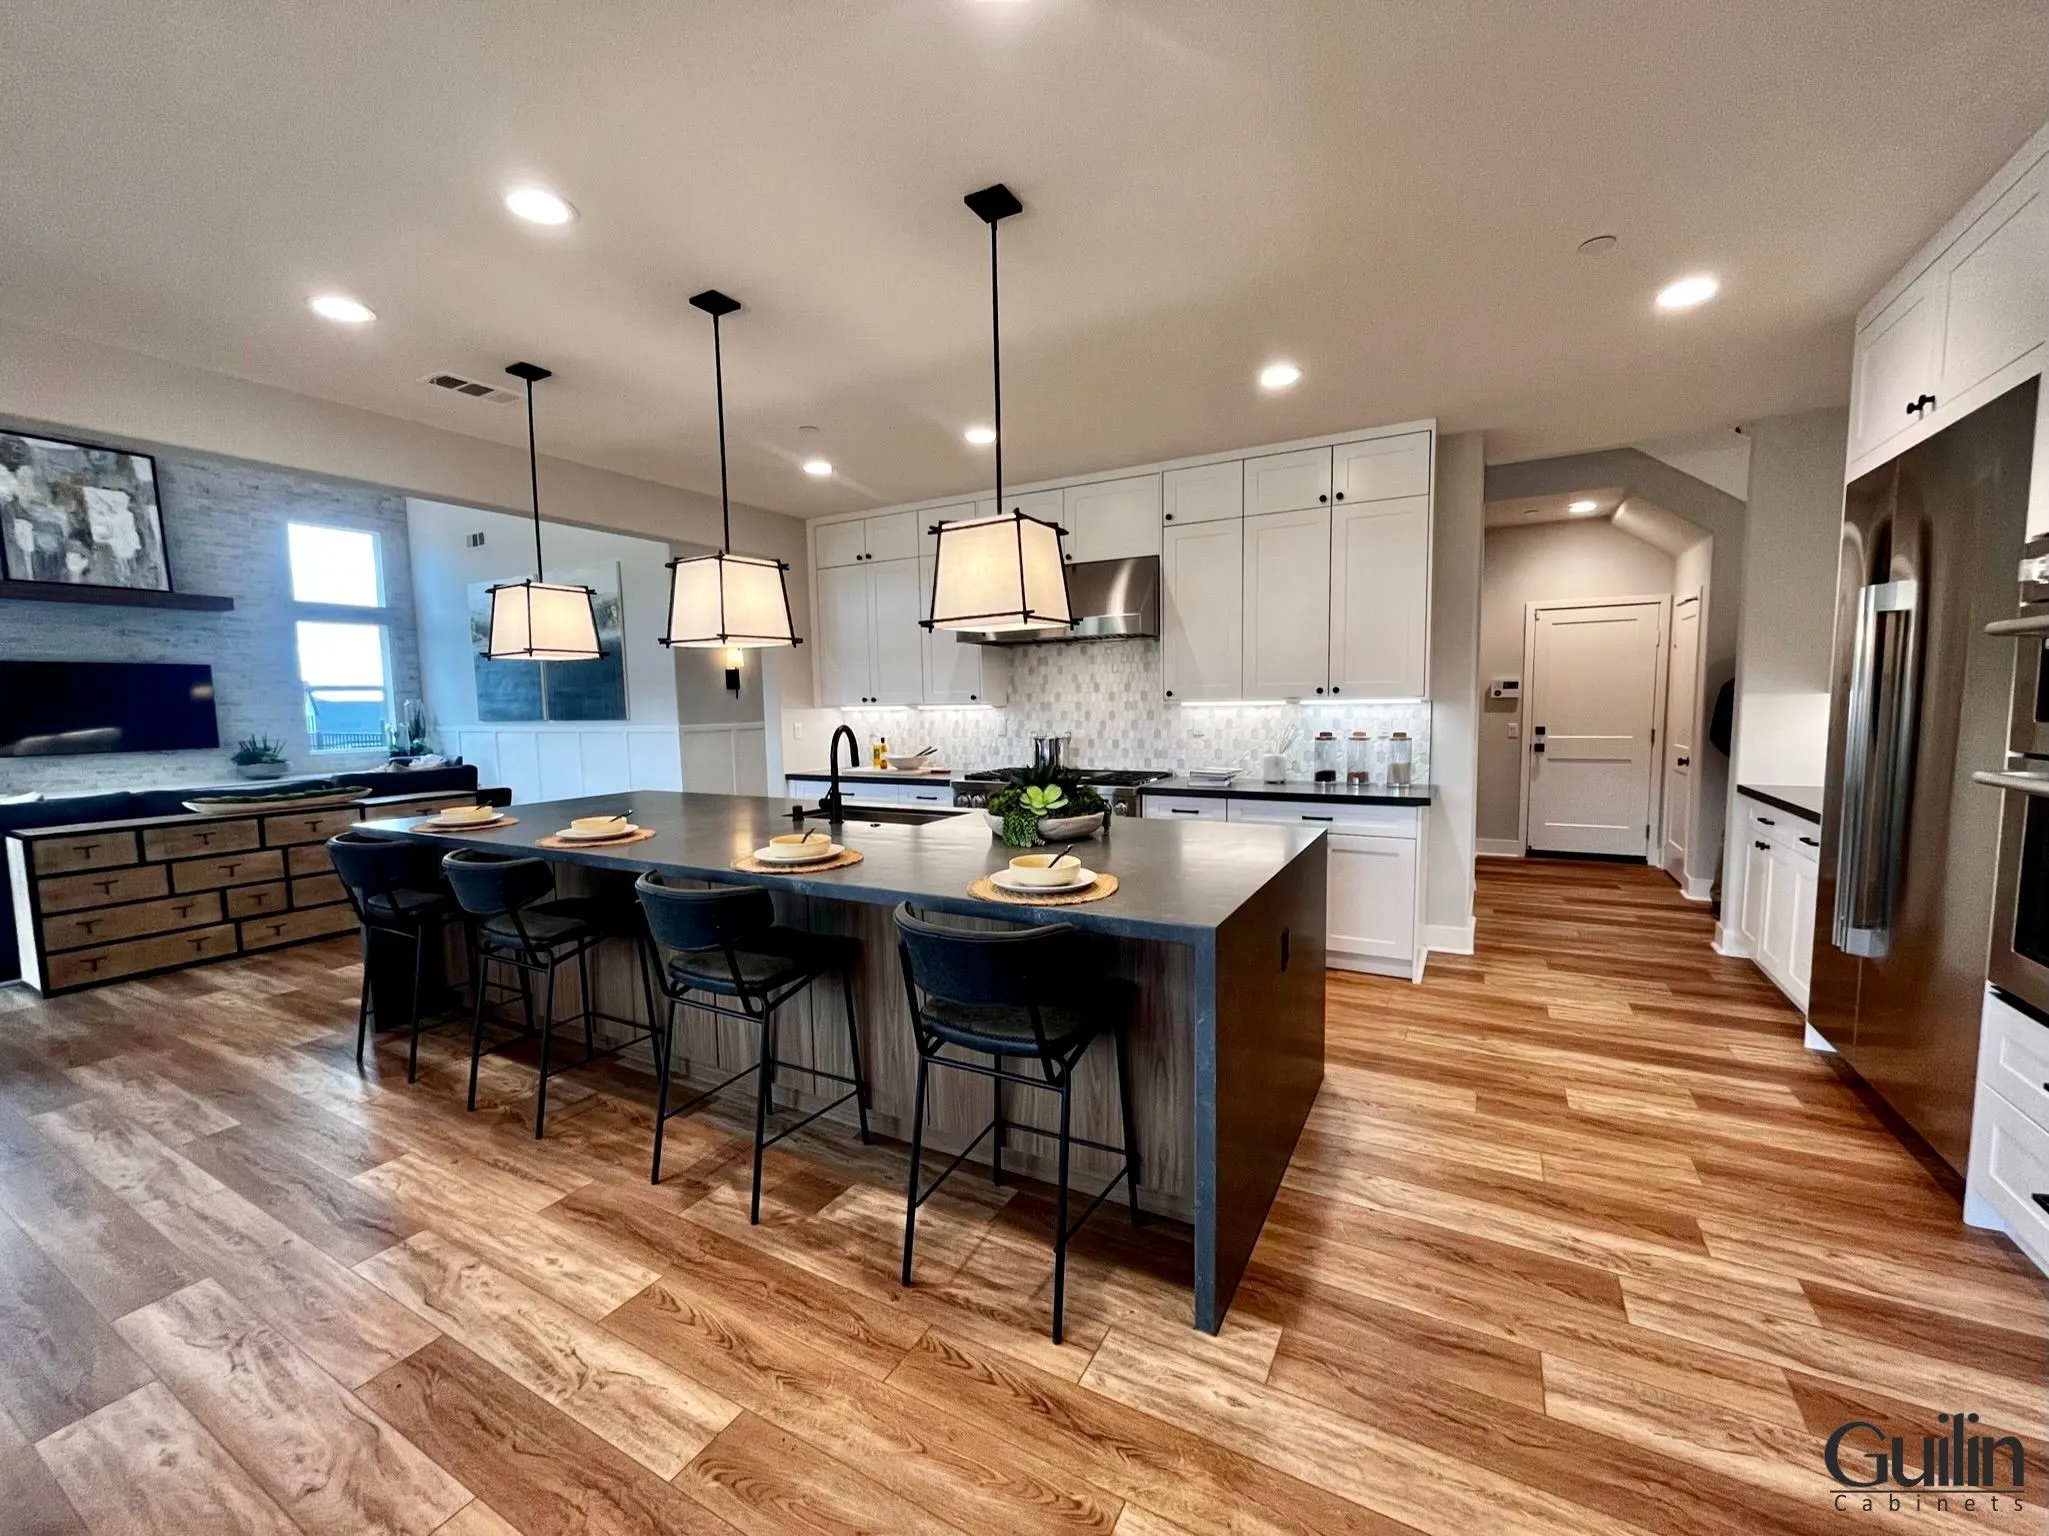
(1455,563)
(224,530)
(1542,563)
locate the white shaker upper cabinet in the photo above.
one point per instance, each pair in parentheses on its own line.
(1287,482)
(1112,519)
(1204,494)
(1202,571)
(957,672)
(894,537)
(1381,467)
(1896,366)
(841,543)
(1380,598)
(898,643)
(843,635)
(1044,505)
(1287,605)
(1997,288)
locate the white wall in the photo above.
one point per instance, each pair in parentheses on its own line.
(542,760)
(1543,563)
(1456,559)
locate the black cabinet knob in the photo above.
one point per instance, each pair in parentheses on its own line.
(972,697)
(1170,693)
(1334,688)
(1323,498)
(1319,690)
(1341,495)
(1170,517)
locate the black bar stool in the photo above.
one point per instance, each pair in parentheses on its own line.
(396,892)
(512,921)
(725,943)
(1014,994)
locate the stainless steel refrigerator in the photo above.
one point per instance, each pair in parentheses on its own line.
(1930,546)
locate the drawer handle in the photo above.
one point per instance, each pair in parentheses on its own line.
(1762,847)
(1812,842)
(1766,821)
(2041,1200)
(85,850)
(1317,818)
(90,923)
(1184,810)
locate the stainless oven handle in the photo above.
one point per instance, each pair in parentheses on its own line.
(1876,771)
(2020,783)
(2037,625)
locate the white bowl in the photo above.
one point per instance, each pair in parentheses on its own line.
(901,763)
(456,815)
(1044,869)
(599,826)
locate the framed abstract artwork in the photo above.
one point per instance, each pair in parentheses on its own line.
(80,515)
(554,690)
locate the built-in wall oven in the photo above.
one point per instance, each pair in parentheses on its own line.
(2019,959)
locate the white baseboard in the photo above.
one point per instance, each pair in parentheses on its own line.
(1371,965)
(1728,941)
(1449,938)
(1698,888)
(1814,1041)
(1977,1211)
(1498,847)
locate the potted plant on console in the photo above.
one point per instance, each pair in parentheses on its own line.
(1045,805)
(258,757)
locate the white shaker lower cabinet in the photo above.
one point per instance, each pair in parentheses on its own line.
(1374,918)
(1202,610)
(1287,604)
(1781,859)
(2007,1186)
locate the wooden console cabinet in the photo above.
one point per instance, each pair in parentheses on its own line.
(112,900)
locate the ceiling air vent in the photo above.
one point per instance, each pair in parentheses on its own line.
(456,383)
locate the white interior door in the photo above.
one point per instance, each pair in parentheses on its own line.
(1682,719)
(1595,673)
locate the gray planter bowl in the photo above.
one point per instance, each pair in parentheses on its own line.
(262,770)
(1055,829)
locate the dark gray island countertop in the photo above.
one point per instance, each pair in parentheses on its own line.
(1175,882)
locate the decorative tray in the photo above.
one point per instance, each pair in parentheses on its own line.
(282,800)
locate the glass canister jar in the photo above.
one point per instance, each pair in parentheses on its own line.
(1359,759)
(1401,758)
(1329,757)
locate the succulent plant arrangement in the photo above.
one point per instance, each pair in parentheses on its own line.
(1034,793)
(252,750)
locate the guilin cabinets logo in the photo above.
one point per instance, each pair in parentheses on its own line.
(1956,1470)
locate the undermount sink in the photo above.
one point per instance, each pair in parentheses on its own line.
(903,816)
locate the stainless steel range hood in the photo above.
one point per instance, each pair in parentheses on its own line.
(1110,600)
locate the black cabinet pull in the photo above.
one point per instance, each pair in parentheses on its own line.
(1317,818)
(1183,810)
(1685,762)
(1765,847)
(1812,842)
(1766,821)
(2041,1200)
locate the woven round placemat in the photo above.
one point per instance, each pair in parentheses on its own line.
(571,844)
(748,864)
(436,824)
(986,889)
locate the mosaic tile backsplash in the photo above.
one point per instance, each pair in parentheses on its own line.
(1108,696)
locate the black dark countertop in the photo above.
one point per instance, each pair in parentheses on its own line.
(1250,788)
(1802,800)
(1178,881)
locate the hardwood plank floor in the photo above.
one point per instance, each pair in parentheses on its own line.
(1579,1239)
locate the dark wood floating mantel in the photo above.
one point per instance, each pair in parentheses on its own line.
(111,597)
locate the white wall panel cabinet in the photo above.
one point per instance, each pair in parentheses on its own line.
(1380,599)
(1287,604)
(840,543)
(1204,493)
(1895,367)
(871,648)
(1112,519)
(1996,289)
(891,536)
(1202,610)
(898,639)
(844,657)
(1287,482)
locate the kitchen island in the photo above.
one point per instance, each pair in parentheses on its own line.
(1221,926)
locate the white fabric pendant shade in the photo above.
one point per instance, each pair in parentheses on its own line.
(543,621)
(728,600)
(1000,573)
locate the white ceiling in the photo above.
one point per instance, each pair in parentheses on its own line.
(1388,193)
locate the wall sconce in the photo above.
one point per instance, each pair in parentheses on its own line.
(731,657)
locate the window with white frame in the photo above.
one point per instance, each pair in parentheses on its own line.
(344,661)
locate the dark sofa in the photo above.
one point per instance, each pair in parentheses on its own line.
(130,805)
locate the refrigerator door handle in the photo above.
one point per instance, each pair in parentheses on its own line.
(1878,761)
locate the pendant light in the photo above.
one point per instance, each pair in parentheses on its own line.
(536,619)
(1001,573)
(727,600)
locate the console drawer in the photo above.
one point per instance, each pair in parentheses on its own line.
(307,826)
(317,890)
(189,841)
(68,893)
(258,900)
(83,967)
(102,925)
(88,850)
(290,927)
(228,869)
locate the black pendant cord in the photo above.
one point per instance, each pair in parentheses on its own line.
(533,468)
(718,373)
(996,356)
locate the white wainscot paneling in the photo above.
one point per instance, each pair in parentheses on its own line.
(561,760)
(558,764)
(725,760)
(607,765)
(654,760)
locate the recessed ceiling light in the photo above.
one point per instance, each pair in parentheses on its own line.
(981,437)
(1581,508)
(537,205)
(1279,375)
(340,307)
(819,468)
(1596,244)
(1687,292)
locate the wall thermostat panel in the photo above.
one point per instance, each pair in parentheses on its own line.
(1505,688)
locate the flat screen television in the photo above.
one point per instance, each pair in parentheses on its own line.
(49,708)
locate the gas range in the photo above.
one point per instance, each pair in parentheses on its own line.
(1118,786)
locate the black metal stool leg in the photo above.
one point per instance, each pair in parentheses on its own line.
(1124,1108)
(479,969)
(1060,1232)
(363,1002)
(761,1109)
(917,1160)
(854,1047)
(996,1146)
(547,1033)
(665,1045)
(583,987)
(419,965)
